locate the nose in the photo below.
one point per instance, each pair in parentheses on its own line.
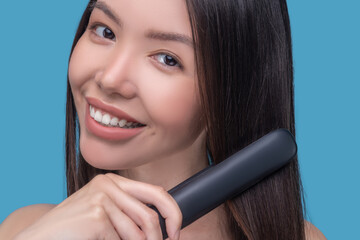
(115,78)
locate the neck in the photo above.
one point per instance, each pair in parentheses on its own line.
(172,170)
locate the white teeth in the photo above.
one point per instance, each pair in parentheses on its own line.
(122,123)
(98,116)
(114,121)
(106,119)
(92,112)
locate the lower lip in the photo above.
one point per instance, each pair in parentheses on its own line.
(109,133)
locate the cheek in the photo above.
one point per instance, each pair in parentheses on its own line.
(75,67)
(175,106)
(83,65)
(83,62)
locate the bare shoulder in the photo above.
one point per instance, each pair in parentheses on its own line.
(22,218)
(312,232)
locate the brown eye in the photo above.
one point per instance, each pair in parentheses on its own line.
(167,60)
(170,61)
(105,32)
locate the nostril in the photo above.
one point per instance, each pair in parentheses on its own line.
(127,90)
(115,86)
(98,76)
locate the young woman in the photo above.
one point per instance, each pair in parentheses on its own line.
(152,87)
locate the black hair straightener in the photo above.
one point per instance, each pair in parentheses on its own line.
(212,186)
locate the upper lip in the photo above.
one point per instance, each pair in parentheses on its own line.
(110,109)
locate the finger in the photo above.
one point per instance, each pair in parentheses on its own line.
(124,226)
(144,217)
(110,233)
(156,196)
(103,226)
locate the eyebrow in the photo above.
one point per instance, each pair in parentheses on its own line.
(106,9)
(151,34)
(169,36)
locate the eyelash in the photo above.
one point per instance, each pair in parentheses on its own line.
(94,26)
(177,65)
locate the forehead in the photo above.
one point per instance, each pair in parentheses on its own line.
(164,15)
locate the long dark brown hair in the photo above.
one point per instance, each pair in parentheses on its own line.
(244,64)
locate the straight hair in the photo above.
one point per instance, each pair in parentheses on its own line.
(244,65)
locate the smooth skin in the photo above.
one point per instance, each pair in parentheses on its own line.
(24,217)
(127,60)
(101,210)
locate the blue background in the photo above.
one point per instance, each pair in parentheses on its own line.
(35,41)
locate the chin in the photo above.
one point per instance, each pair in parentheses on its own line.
(94,156)
(103,157)
(105,164)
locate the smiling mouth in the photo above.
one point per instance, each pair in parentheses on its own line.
(107,120)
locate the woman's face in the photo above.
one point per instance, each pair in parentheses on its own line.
(135,63)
